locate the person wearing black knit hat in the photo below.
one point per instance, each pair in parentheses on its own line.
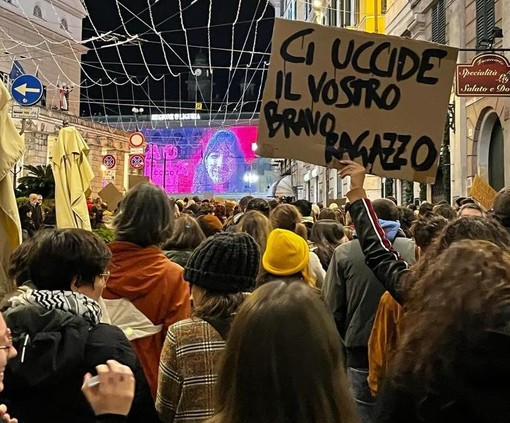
(221,271)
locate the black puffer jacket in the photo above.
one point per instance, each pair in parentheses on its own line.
(180,257)
(55,350)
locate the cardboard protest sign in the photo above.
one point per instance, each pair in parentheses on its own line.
(111,196)
(137,179)
(482,192)
(333,94)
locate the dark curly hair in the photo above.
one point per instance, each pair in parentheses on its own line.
(406,217)
(424,230)
(450,312)
(464,228)
(445,210)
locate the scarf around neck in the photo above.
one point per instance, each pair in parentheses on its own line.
(72,302)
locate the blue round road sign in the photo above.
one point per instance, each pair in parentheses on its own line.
(27,90)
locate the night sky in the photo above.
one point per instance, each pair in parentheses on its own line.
(163,96)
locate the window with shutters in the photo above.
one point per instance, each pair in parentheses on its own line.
(333,13)
(439,22)
(308,9)
(485,21)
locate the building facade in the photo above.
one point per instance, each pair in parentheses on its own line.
(43,38)
(479,125)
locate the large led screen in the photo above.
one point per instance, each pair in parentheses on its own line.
(198,160)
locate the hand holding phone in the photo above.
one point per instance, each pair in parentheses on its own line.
(112,390)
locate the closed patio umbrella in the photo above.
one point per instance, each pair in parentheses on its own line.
(73,175)
(11,150)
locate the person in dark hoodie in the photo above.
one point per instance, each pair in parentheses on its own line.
(57,331)
(451,364)
(353,293)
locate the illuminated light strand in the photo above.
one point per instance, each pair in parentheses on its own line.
(116,46)
(45,41)
(163,42)
(257,30)
(231,76)
(241,99)
(209,38)
(181,16)
(232,55)
(49,54)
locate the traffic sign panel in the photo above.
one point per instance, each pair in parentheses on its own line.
(137,139)
(137,161)
(109,161)
(20,112)
(138,150)
(27,90)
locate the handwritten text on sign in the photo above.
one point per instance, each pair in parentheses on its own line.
(333,93)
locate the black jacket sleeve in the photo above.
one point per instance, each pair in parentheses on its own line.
(380,256)
(109,342)
(111,418)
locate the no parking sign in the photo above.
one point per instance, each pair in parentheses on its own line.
(137,161)
(109,161)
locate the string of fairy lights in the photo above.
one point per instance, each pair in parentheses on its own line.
(65,50)
(119,73)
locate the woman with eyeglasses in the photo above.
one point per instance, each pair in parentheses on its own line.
(9,351)
(57,331)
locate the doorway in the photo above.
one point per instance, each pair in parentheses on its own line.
(497,157)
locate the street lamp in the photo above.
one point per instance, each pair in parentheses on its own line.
(137,111)
(250,178)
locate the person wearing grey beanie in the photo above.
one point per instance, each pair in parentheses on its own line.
(221,270)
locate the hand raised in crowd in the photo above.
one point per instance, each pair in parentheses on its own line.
(115,391)
(6,418)
(357,173)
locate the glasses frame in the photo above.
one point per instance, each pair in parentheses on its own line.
(105,275)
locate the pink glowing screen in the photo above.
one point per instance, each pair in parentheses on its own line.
(198,160)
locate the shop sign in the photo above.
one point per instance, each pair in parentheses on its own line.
(488,75)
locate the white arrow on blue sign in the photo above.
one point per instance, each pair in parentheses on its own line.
(27,90)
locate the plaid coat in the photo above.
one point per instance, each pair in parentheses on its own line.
(188,371)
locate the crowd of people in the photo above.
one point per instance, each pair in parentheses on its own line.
(263,311)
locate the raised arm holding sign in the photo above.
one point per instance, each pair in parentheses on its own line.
(334,94)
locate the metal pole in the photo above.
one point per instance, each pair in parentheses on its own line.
(152,162)
(484,49)
(164,171)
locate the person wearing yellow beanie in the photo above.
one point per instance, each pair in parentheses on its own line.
(287,254)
